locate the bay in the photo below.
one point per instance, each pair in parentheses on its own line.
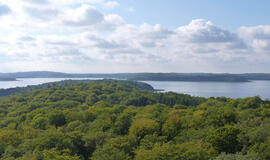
(202,89)
(217,89)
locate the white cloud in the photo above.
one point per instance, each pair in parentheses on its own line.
(111,4)
(258,38)
(84,16)
(66,35)
(42,13)
(258,32)
(201,31)
(114,20)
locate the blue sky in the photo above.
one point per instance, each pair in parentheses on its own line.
(229,14)
(112,36)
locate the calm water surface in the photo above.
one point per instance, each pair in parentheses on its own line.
(34,81)
(203,89)
(217,89)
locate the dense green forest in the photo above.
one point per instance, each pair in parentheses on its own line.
(117,120)
(10,91)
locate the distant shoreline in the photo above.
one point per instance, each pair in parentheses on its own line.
(203,89)
(170,77)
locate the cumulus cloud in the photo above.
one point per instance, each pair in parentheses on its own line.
(202,31)
(106,44)
(113,20)
(75,33)
(42,13)
(257,32)
(111,4)
(258,38)
(261,44)
(83,16)
(142,36)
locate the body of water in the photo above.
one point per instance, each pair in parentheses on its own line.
(34,81)
(203,89)
(217,89)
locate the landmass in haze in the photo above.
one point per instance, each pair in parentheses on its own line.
(191,77)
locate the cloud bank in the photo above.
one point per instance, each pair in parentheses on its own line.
(75,36)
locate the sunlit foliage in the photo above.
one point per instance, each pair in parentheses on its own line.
(115,120)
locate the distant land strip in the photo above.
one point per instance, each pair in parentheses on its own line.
(189,77)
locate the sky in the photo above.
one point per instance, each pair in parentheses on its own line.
(116,36)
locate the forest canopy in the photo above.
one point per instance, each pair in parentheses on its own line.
(117,120)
